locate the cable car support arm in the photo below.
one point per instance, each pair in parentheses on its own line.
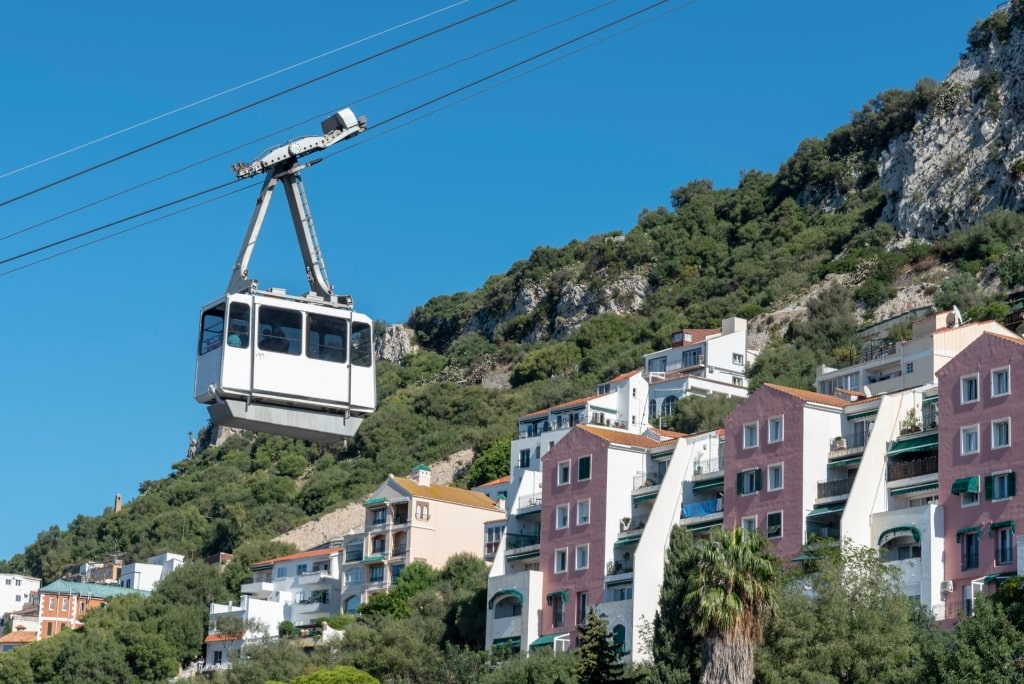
(282,164)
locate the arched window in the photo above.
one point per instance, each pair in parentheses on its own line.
(619,638)
(668,405)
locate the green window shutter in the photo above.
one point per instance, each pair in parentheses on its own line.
(988,488)
(1011,484)
(739,483)
(757,480)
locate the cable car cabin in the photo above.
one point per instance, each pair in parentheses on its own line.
(286,365)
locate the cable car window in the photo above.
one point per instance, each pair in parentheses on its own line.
(211,331)
(238,325)
(362,344)
(280,330)
(325,338)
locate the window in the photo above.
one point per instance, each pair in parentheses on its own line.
(775,429)
(1000,382)
(691,358)
(64,604)
(748,481)
(7,581)
(968,549)
(301,569)
(657,365)
(969,440)
(493,540)
(749,435)
(582,606)
(561,560)
(354,576)
(737,359)
(1004,544)
(910,367)
(377,573)
(621,593)
(327,338)
(652,409)
(1000,433)
(749,524)
(968,499)
(280,330)
(583,512)
(422,511)
(354,551)
(583,556)
(378,545)
(524,458)
(773,523)
(282,571)
(968,389)
(557,609)
(738,381)
(563,472)
(379,516)
(561,516)
(1000,486)
(908,552)
(583,468)
(668,405)
(211,331)
(774,477)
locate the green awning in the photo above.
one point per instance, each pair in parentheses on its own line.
(375,501)
(862,414)
(374,559)
(915,489)
(645,497)
(827,509)
(928,442)
(842,462)
(704,526)
(710,483)
(547,639)
(930,400)
(894,532)
(512,643)
(505,592)
(523,556)
(628,542)
(1002,524)
(966,530)
(615,583)
(564,593)
(998,577)
(967,484)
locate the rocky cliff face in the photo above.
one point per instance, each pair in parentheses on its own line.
(395,343)
(965,156)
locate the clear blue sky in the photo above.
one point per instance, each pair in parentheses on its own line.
(98,345)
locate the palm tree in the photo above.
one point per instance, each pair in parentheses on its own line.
(730,594)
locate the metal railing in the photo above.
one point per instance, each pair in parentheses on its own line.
(709,465)
(903,469)
(518,541)
(837,487)
(529,501)
(641,480)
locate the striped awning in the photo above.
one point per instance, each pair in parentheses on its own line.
(928,442)
(915,489)
(894,532)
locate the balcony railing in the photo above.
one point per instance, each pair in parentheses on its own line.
(399,552)
(956,609)
(701,508)
(837,487)
(830,532)
(518,541)
(634,528)
(709,465)
(530,501)
(900,470)
(642,480)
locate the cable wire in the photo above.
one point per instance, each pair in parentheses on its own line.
(262,100)
(228,91)
(358,142)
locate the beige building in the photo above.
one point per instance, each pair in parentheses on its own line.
(409,519)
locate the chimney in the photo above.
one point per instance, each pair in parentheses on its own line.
(421,475)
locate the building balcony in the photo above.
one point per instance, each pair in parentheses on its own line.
(308,579)
(904,469)
(259,590)
(633,528)
(702,509)
(529,504)
(311,606)
(521,541)
(507,627)
(835,487)
(399,552)
(708,466)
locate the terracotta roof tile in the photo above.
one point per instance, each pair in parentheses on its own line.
(214,638)
(566,404)
(462,497)
(302,554)
(23,636)
(668,433)
(623,376)
(807,395)
(501,480)
(624,438)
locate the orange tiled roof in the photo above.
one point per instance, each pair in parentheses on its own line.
(500,480)
(296,556)
(562,405)
(807,395)
(462,497)
(623,376)
(214,638)
(668,433)
(624,438)
(21,636)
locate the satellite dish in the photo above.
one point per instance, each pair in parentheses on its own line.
(951,320)
(957,318)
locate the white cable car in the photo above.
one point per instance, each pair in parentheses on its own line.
(299,366)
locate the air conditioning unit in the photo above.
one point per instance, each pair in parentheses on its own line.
(946,586)
(838,442)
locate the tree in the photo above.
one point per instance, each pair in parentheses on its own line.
(675,648)
(731,594)
(491,463)
(700,414)
(986,648)
(865,629)
(341,674)
(597,657)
